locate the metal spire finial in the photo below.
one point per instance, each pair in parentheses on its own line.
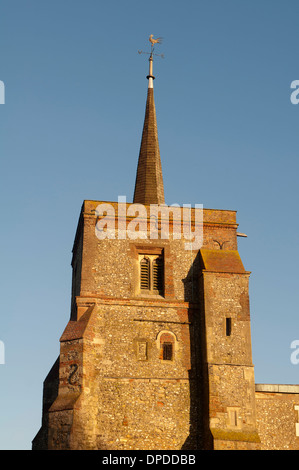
(153,41)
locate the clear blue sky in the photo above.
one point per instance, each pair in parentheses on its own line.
(70,129)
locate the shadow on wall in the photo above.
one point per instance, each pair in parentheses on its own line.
(199,437)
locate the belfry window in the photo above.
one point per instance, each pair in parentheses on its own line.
(157,267)
(145,273)
(152,273)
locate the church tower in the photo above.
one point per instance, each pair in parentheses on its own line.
(157,352)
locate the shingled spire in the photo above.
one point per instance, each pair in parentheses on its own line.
(149,188)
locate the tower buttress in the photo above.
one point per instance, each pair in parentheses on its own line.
(230,416)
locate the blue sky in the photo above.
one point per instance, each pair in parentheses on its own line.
(70,129)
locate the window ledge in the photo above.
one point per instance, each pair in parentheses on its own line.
(150,295)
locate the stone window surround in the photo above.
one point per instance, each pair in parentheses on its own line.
(169,336)
(163,249)
(151,259)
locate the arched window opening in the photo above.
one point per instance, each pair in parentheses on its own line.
(167,346)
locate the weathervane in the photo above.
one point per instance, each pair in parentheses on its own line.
(153,42)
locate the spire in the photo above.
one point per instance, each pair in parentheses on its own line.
(149,188)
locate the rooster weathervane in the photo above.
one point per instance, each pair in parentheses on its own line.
(153,43)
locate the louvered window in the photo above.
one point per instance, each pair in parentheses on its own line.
(151,269)
(158,274)
(145,273)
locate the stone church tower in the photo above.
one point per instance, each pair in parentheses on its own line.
(157,351)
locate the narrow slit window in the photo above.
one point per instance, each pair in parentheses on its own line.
(233,418)
(145,273)
(167,351)
(228,326)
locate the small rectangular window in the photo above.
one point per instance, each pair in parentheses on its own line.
(233,418)
(167,351)
(228,326)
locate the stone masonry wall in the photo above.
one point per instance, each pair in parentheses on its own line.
(278,416)
(115,389)
(229,372)
(110,387)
